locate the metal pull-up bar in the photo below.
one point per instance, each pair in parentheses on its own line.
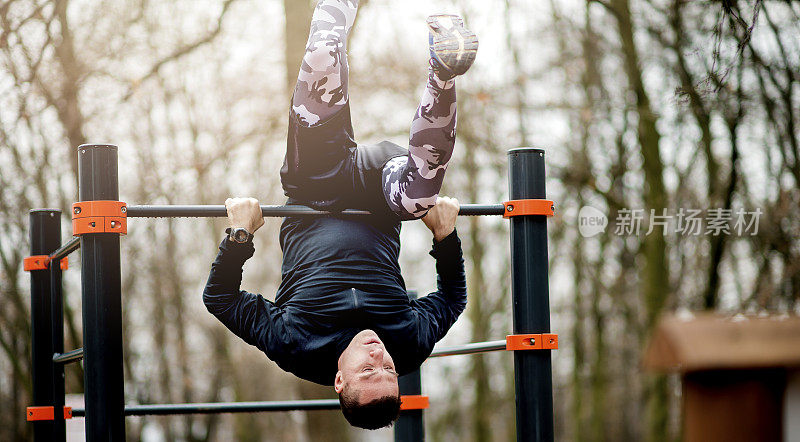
(238,407)
(99,218)
(194,211)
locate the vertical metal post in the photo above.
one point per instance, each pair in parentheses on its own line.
(102,302)
(531,303)
(45,238)
(410,426)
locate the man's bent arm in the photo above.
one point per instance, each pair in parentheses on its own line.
(247,315)
(441,308)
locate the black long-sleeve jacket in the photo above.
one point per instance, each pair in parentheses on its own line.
(307,328)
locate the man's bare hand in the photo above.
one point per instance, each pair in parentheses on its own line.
(244,212)
(441,219)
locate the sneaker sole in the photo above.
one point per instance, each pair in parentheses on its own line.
(453,44)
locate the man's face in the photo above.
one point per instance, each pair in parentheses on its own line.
(366,368)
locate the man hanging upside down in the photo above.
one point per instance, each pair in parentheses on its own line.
(342,316)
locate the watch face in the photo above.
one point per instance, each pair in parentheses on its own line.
(240,235)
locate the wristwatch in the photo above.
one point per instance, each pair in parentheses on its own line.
(239,235)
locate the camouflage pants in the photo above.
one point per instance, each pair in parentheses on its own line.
(411,183)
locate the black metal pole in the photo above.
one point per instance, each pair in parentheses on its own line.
(410,426)
(468,349)
(102,303)
(224,407)
(45,238)
(68,357)
(67,248)
(531,303)
(229,407)
(210,211)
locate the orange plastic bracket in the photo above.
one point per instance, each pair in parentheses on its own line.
(36,262)
(414,402)
(42,262)
(528,207)
(536,341)
(46,413)
(549,341)
(99,217)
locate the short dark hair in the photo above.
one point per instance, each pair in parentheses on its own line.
(379,413)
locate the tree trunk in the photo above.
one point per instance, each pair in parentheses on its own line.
(67,104)
(655,275)
(478,311)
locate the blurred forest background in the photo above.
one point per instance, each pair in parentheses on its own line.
(641,104)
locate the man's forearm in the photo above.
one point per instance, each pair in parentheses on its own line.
(225,277)
(440,310)
(452,280)
(246,314)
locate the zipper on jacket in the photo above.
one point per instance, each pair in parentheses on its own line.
(355,298)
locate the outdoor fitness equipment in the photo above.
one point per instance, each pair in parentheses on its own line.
(98,221)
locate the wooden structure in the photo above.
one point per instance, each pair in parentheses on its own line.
(740,374)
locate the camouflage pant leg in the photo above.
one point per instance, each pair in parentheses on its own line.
(411,183)
(321,88)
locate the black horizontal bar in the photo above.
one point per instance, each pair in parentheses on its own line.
(482,210)
(223,407)
(278,211)
(265,406)
(475,347)
(71,246)
(68,357)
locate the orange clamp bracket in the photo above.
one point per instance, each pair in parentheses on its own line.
(549,341)
(536,341)
(36,262)
(42,262)
(46,413)
(99,217)
(528,207)
(414,402)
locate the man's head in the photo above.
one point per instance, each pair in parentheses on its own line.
(367,383)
